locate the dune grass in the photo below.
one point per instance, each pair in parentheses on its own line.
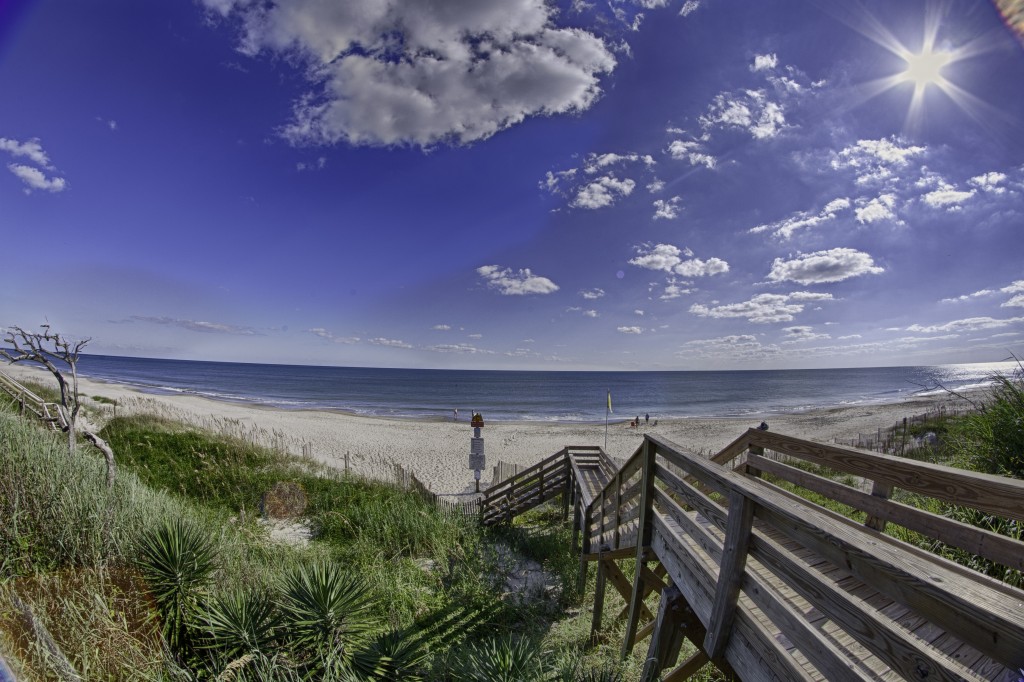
(434,587)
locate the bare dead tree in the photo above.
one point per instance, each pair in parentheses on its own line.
(53,351)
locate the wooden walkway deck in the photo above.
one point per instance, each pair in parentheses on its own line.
(732,554)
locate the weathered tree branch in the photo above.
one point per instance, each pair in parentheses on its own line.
(48,348)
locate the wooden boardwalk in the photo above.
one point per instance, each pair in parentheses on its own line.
(730,554)
(28,402)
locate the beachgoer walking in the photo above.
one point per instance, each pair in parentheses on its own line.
(455,414)
(647,418)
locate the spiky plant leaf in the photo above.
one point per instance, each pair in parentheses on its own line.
(238,624)
(501,660)
(324,611)
(389,656)
(176,560)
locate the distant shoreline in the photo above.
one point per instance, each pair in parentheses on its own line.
(437,450)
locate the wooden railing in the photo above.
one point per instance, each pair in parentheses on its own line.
(565,473)
(768,584)
(543,481)
(30,403)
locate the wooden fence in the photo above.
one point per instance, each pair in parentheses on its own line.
(407,480)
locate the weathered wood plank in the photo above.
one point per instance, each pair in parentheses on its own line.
(973,611)
(751,649)
(994,494)
(730,575)
(998,548)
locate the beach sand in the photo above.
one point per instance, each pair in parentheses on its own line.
(437,452)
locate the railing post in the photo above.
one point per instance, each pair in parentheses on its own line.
(618,509)
(730,573)
(643,540)
(581,581)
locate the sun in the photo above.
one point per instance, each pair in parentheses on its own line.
(925,68)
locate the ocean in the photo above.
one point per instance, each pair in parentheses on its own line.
(535,396)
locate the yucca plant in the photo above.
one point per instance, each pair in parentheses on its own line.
(324,613)
(389,656)
(237,624)
(501,660)
(176,560)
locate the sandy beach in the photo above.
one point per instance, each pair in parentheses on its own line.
(437,451)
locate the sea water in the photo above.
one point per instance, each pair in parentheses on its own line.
(536,396)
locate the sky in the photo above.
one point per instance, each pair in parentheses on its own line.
(517,184)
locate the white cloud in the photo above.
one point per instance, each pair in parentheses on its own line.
(879,208)
(590,313)
(967,297)
(802,334)
(391,343)
(655,186)
(668,258)
(515,283)
(603,192)
(1015,288)
(750,110)
(592,294)
(399,71)
(476,336)
(666,209)
(31,150)
(763,308)
(989,182)
(595,163)
(441,327)
(324,334)
(764,62)
(964,325)
(692,151)
(631,330)
(198,325)
(638,312)
(36,179)
(875,160)
(464,348)
(689,7)
(947,196)
(1015,302)
(674,290)
(833,265)
(801,220)
(849,336)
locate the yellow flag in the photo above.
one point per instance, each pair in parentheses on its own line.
(609,401)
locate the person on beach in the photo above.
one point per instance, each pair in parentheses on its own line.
(455,414)
(763,426)
(647,418)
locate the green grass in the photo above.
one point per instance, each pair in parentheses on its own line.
(432,578)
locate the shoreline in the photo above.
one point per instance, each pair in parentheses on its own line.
(437,450)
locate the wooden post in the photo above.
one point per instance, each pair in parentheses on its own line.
(346,461)
(581,581)
(643,540)
(667,638)
(566,494)
(618,508)
(730,575)
(882,490)
(599,589)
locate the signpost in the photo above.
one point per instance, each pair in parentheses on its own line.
(477,461)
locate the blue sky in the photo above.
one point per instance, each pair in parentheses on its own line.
(645,184)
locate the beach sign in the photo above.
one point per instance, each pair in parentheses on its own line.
(477,462)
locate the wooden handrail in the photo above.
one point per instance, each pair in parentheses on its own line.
(748,517)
